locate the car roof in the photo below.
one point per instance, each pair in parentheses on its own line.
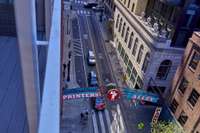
(93,74)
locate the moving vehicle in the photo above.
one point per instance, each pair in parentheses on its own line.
(92,79)
(91,58)
(90,4)
(99,103)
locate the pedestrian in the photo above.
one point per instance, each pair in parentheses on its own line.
(64,66)
(82,115)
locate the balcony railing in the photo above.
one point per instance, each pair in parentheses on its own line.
(50,109)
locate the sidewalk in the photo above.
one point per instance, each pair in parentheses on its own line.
(117,69)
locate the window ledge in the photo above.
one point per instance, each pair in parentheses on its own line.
(191,69)
(190,106)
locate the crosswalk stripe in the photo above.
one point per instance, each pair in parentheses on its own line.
(101,122)
(94,122)
(120,118)
(108,120)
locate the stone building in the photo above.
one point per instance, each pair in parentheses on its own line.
(185,102)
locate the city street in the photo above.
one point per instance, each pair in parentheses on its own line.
(87,35)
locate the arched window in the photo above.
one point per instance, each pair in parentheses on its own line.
(117,22)
(123,29)
(120,25)
(164,69)
(146,62)
(130,41)
(128,3)
(135,47)
(140,53)
(127,34)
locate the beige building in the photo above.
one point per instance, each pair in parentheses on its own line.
(143,40)
(185,102)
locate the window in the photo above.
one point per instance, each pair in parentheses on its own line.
(117,22)
(134,72)
(130,41)
(194,96)
(139,82)
(135,47)
(129,68)
(128,3)
(182,118)
(174,105)
(194,60)
(127,34)
(123,29)
(164,70)
(133,6)
(146,62)
(122,53)
(119,47)
(120,25)
(183,85)
(139,57)
(126,59)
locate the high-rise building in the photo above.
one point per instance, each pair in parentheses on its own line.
(148,36)
(29,32)
(185,101)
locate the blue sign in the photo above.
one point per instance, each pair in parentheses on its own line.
(133,94)
(80,90)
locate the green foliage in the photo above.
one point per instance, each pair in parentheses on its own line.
(165,127)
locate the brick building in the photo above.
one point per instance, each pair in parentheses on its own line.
(185,101)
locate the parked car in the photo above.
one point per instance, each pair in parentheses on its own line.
(90,4)
(99,103)
(91,58)
(92,79)
(98,8)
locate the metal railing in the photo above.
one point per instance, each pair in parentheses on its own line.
(50,110)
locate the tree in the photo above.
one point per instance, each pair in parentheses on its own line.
(165,127)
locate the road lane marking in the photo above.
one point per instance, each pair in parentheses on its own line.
(108,120)
(121,121)
(81,41)
(101,122)
(94,122)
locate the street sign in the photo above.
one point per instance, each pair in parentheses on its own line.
(79,90)
(156,115)
(81,93)
(113,94)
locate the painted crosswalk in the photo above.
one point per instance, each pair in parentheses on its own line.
(77,47)
(83,12)
(108,122)
(79,2)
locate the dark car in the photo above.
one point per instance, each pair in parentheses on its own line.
(92,79)
(90,4)
(99,103)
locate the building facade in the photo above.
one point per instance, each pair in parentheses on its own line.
(144,44)
(185,102)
